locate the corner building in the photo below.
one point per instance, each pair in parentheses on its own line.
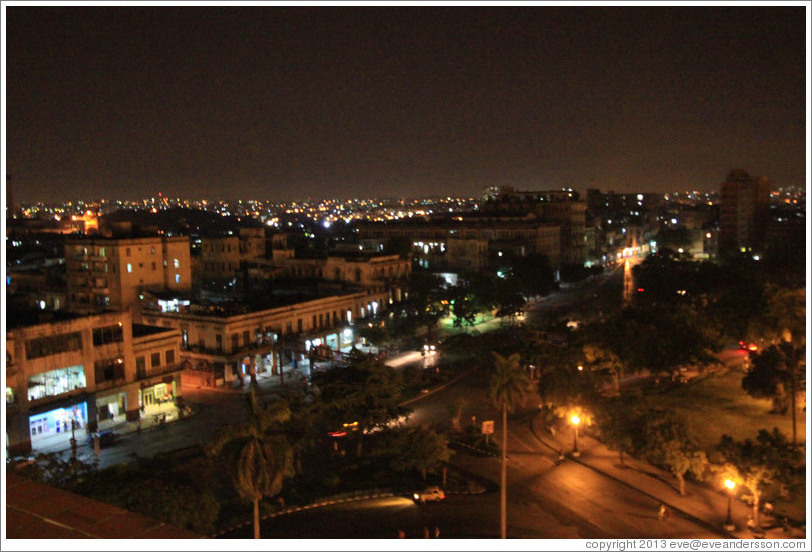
(82,374)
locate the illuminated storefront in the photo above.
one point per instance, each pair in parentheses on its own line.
(54,426)
(56,382)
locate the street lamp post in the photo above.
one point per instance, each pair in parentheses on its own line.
(575,421)
(729,525)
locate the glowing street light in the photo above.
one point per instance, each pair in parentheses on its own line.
(575,421)
(730,484)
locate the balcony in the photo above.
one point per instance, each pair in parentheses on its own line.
(158,371)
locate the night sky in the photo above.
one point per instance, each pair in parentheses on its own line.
(282,103)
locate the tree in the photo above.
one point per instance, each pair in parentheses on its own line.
(784,324)
(377,332)
(263,455)
(509,386)
(563,387)
(767,378)
(67,474)
(618,420)
(423,306)
(660,338)
(603,361)
(421,449)
(303,427)
(759,463)
(666,442)
(367,391)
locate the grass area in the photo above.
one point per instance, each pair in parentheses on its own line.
(718,405)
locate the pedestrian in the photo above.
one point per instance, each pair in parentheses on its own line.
(401,534)
(436,532)
(661,512)
(426,533)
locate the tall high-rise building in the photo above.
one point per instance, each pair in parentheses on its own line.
(744,212)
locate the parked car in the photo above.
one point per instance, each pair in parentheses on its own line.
(429,494)
(106,437)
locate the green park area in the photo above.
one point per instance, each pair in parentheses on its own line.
(717,405)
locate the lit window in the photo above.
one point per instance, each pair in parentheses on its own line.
(177,278)
(129,267)
(177,263)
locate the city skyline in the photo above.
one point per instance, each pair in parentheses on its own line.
(282,103)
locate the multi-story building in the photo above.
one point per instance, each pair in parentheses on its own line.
(224,258)
(561,207)
(222,343)
(369,271)
(108,273)
(744,212)
(430,239)
(72,375)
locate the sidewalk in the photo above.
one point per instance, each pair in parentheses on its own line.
(700,503)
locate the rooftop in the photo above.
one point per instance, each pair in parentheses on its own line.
(38,511)
(141,330)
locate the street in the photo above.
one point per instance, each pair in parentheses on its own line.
(545,500)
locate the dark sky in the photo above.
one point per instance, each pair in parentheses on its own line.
(283,103)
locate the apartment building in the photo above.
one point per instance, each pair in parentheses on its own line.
(108,273)
(744,212)
(430,239)
(226,342)
(561,207)
(72,374)
(224,257)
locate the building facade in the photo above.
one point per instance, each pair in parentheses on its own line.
(430,239)
(76,375)
(109,273)
(744,212)
(224,343)
(224,257)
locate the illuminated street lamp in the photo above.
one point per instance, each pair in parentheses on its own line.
(729,526)
(575,421)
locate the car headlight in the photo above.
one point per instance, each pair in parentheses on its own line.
(416,496)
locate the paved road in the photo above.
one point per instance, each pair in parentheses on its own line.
(545,500)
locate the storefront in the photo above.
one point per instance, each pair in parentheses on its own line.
(111,409)
(54,428)
(157,394)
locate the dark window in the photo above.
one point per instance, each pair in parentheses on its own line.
(109,369)
(52,345)
(155,359)
(235,341)
(107,334)
(170,356)
(299,325)
(246,337)
(141,367)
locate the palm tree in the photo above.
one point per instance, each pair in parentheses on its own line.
(509,386)
(263,455)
